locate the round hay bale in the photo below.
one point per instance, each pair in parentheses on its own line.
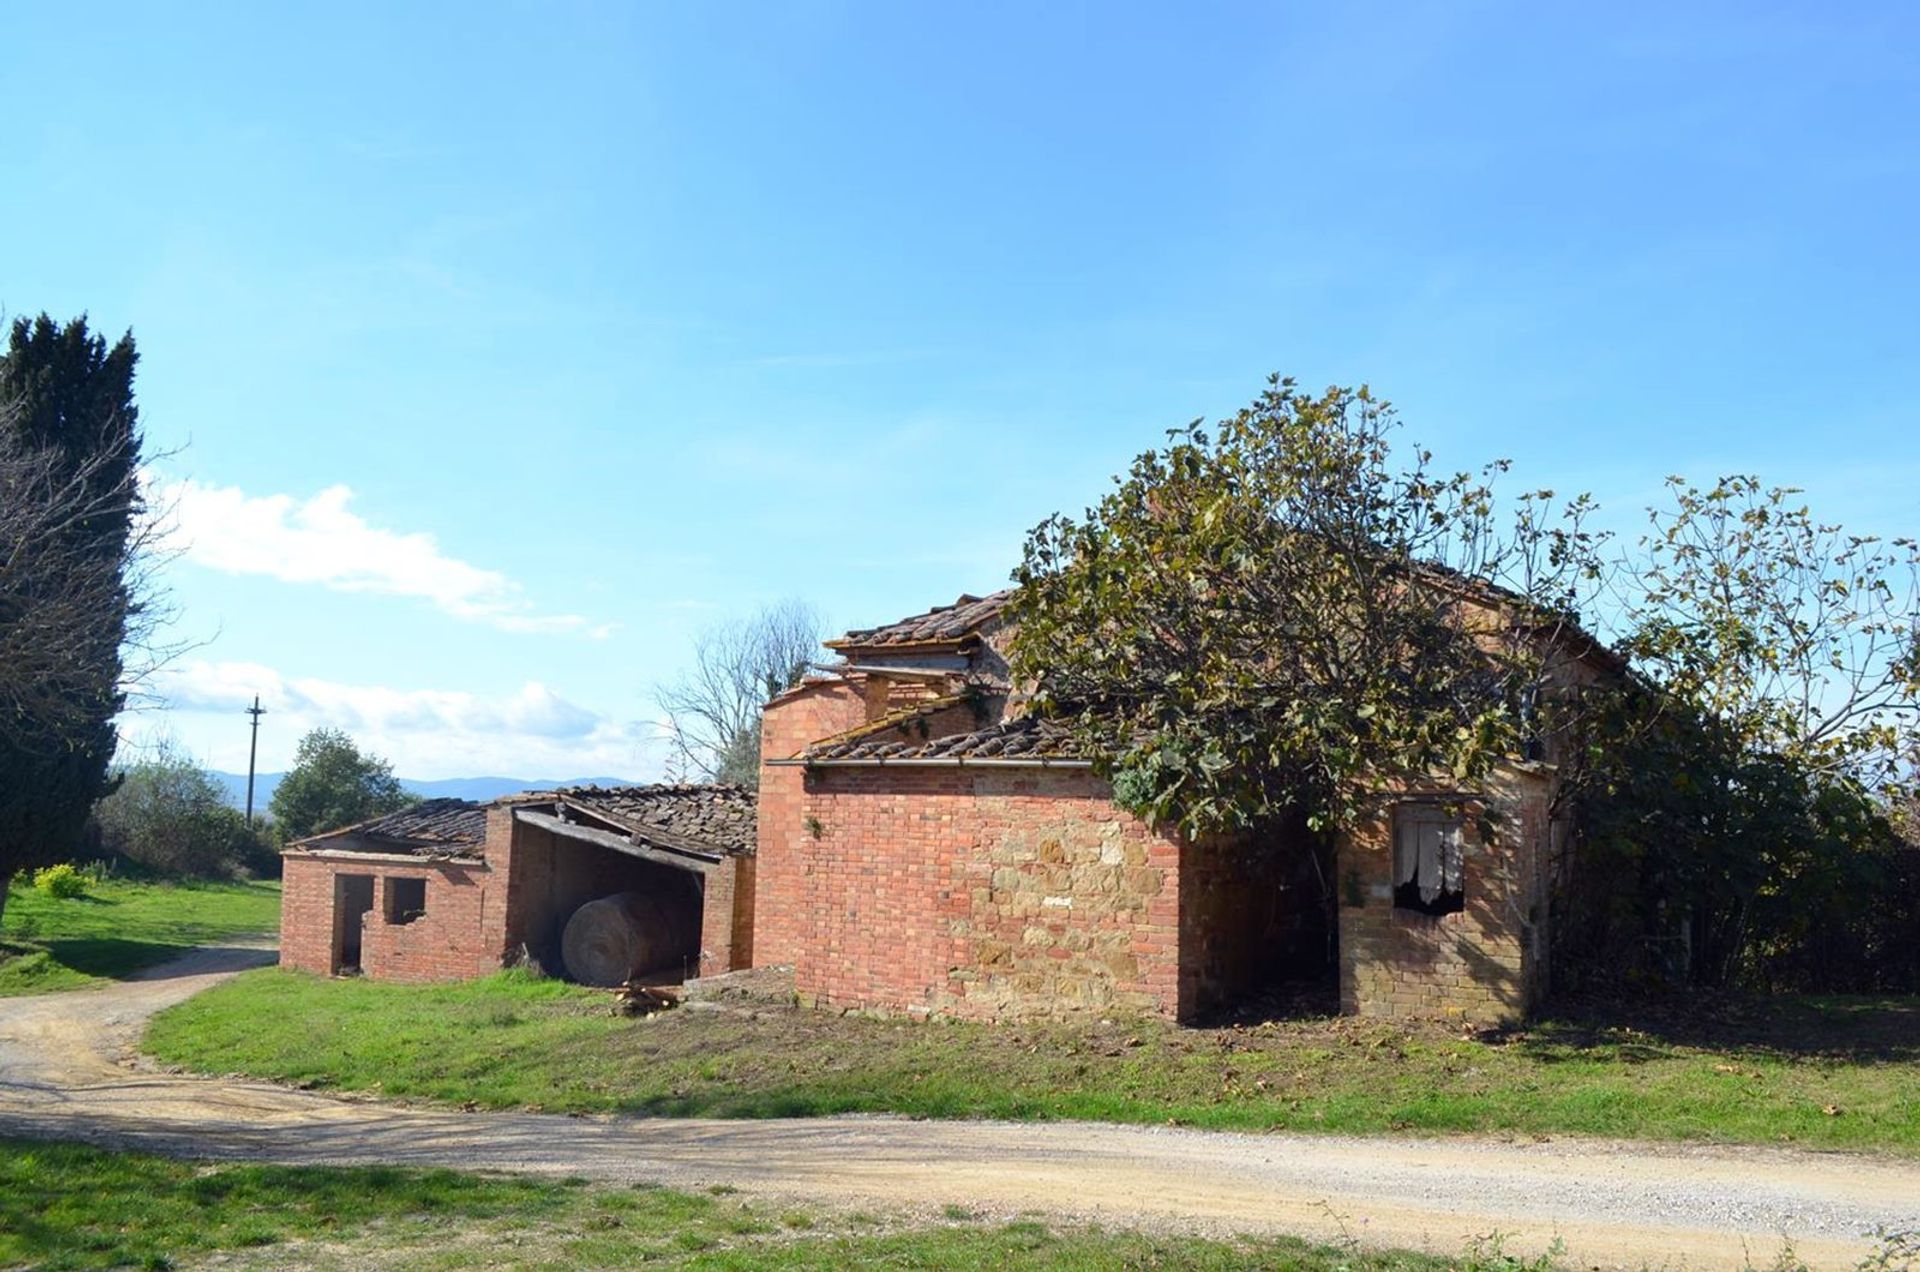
(610,941)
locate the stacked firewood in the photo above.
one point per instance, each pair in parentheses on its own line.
(635,999)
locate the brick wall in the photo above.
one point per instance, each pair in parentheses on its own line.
(1485,963)
(306,914)
(974,892)
(447,942)
(792,721)
(726,917)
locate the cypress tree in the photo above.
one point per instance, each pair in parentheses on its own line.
(66,394)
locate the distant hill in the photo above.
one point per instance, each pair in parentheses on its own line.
(475,788)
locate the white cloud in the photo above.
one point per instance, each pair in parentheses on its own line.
(424,733)
(320,540)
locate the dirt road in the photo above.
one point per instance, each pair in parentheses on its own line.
(66,1070)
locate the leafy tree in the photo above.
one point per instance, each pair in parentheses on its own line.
(171,815)
(1263,620)
(713,711)
(1800,638)
(70,588)
(333,784)
(1734,801)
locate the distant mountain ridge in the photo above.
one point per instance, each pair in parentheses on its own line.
(474,788)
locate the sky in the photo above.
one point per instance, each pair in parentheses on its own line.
(491,352)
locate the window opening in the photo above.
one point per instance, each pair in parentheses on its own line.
(1428,862)
(406,900)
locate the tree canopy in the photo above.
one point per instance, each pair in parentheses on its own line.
(1269,617)
(332,784)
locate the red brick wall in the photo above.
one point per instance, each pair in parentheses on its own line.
(448,942)
(791,722)
(726,917)
(973,892)
(1485,963)
(306,914)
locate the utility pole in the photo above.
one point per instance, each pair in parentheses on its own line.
(253,750)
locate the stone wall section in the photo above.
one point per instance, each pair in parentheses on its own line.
(1484,964)
(977,892)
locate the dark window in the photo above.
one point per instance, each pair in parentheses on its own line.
(1427,863)
(406,899)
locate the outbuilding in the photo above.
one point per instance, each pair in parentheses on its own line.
(448,889)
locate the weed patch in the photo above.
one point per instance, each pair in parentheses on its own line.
(513,1041)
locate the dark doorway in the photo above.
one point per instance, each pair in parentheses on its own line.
(352,898)
(1257,938)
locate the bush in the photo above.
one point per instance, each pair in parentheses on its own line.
(62,881)
(170,815)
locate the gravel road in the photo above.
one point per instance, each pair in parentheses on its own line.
(67,1070)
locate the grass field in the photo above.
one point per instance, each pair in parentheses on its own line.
(1831,1074)
(50,944)
(69,1207)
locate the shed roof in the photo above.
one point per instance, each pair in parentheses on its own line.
(941,625)
(709,813)
(430,828)
(719,817)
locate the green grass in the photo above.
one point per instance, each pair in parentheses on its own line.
(1821,1073)
(49,944)
(68,1207)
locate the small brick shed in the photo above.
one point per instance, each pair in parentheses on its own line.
(925,847)
(449,889)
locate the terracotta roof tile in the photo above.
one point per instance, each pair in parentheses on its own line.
(1027,738)
(940,625)
(432,827)
(709,813)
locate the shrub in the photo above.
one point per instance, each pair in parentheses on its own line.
(170,815)
(62,881)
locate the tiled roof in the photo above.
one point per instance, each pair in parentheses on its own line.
(939,625)
(432,827)
(711,814)
(1027,738)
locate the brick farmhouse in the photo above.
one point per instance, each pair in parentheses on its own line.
(919,845)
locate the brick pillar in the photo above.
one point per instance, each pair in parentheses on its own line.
(780,924)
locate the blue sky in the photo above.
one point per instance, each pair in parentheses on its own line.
(502,347)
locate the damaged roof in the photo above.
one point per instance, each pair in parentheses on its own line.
(941,625)
(430,828)
(722,816)
(1025,738)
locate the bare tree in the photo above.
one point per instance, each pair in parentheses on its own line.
(67,611)
(57,597)
(713,710)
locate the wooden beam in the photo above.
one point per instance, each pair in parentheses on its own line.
(665,855)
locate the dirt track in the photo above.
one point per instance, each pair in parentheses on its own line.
(66,1071)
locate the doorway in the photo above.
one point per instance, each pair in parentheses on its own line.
(352,898)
